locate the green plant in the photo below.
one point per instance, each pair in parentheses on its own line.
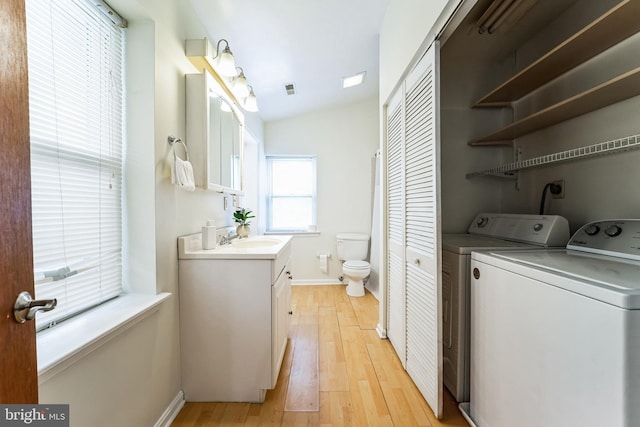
(242,216)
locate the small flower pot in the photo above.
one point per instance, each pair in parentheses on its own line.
(243,230)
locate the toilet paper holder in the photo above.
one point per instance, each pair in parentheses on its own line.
(324,261)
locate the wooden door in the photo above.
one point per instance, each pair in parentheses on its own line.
(18,364)
(423,264)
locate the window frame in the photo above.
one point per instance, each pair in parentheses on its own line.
(271,196)
(77,293)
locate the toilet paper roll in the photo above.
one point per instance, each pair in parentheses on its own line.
(323,263)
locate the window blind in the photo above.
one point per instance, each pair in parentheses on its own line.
(76,117)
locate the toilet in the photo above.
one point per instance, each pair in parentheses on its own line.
(352,250)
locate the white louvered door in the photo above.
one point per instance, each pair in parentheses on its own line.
(414,321)
(395,226)
(423,263)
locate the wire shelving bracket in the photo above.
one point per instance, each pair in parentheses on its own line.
(509,171)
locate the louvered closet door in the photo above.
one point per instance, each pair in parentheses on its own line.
(395,226)
(422,256)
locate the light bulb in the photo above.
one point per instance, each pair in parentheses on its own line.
(240,86)
(226,63)
(251,103)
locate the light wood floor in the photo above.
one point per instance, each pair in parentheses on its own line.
(358,381)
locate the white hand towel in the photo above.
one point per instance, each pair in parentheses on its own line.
(182,173)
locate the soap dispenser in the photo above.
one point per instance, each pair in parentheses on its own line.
(209,235)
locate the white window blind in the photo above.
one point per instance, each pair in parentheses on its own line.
(292,193)
(76,116)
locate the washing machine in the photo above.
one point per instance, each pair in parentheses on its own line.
(487,231)
(555,334)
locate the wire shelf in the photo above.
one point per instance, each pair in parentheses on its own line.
(600,149)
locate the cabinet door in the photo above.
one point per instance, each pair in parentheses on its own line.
(414,289)
(281,297)
(422,210)
(395,225)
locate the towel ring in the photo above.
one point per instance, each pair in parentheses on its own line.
(173,140)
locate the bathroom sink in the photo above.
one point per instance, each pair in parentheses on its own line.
(255,242)
(255,247)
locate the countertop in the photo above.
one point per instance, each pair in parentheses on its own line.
(190,247)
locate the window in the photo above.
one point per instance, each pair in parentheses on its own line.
(76,93)
(292,194)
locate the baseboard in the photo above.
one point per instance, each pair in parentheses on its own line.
(172,411)
(382,332)
(316,282)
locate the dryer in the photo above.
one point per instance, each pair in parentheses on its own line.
(487,231)
(555,334)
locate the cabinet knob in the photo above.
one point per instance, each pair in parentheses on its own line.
(291,312)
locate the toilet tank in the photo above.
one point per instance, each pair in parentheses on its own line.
(352,246)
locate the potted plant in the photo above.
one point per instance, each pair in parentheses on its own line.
(242,217)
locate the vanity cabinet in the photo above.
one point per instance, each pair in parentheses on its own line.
(234,321)
(281,320)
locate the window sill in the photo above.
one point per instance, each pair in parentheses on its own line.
(66,343)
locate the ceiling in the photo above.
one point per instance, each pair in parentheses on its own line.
(312,44)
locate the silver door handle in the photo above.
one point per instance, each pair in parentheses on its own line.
(25,307)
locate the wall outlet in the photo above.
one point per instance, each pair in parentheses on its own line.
(559,195)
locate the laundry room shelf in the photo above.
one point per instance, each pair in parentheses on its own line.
(624,86)
(600,149)
(613,26)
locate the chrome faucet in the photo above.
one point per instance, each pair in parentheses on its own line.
(226,240)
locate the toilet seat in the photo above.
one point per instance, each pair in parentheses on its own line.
(356,265)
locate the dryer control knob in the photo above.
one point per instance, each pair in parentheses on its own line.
(538,227)
(592,230)
(613,231)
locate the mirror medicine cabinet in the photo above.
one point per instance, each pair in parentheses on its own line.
(215,128)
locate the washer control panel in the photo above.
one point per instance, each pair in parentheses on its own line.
(543,230)
(614,237)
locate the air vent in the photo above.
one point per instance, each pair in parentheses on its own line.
(290,89)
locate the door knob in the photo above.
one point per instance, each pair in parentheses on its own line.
(25,307)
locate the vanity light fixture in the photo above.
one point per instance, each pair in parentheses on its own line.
(240,85)
(226,62)
(221,65)
(250,102)
(354,80)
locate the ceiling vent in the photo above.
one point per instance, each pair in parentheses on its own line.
(290,89)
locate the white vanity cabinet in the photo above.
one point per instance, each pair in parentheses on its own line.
(281,319)
(235,306)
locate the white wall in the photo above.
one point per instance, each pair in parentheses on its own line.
(409,26)
(132,379)
(463,198)
(344,140)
